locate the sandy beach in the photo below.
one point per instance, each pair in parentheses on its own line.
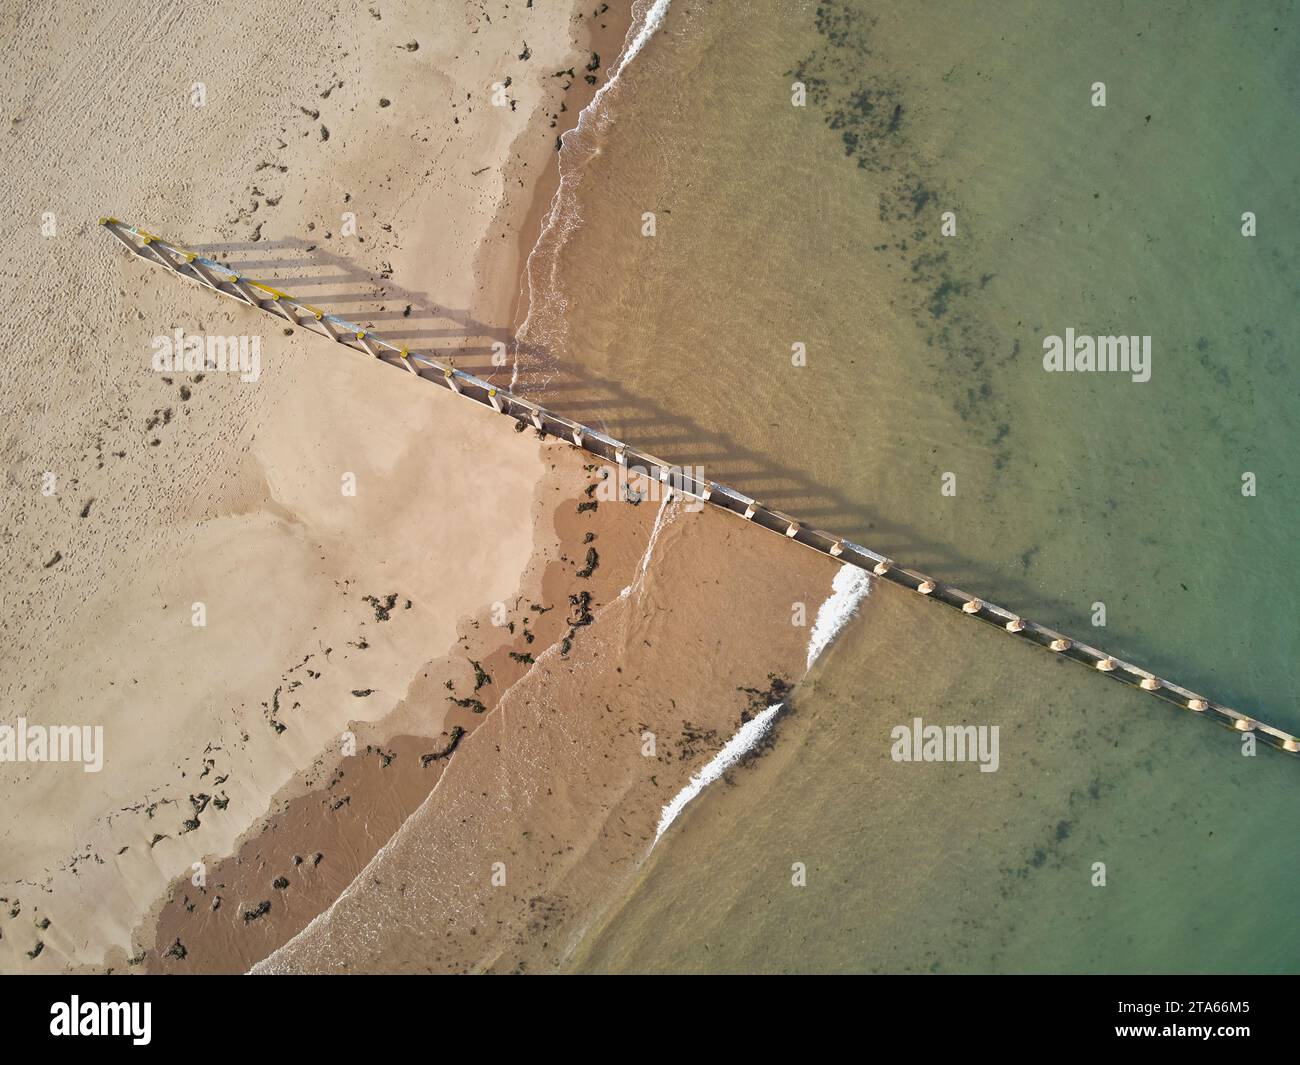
(554,803)
(310,666)
(196,578)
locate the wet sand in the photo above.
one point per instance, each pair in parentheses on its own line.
(174,490)
(554,801)
(347,807)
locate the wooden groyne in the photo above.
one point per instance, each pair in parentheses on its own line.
(219,279)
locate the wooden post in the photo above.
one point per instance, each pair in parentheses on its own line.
(111,224)
(214,275)
(283,307)
(245,291)
(324,324)
(151,252)
(200,271)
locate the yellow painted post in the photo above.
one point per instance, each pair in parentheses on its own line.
(112,224)
(319,316)
(282,305)
(153,252)
(242,288)
(199,270)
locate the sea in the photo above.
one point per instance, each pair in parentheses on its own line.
(826,251)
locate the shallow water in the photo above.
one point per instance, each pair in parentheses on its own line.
(820,225)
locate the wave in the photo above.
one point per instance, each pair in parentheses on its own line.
(653,20)
(733,751)
(542,265)
(849,588)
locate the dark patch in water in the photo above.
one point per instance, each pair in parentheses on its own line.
(866,109)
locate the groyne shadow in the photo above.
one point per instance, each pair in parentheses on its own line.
(378,301)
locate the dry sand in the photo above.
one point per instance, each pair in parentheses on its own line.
(227,493)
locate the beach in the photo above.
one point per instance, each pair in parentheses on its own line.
(202,492)
(946,200)
(388,682)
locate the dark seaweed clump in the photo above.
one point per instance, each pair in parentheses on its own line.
(868,110)
(433,756)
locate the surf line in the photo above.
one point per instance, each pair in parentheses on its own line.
(565,189)
(270,300)
(732,752)
(850,587)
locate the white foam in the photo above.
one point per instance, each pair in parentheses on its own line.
(661,519)
(653,20)
(564,215)
(736,748)
(849,588)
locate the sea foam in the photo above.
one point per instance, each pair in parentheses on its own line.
(564,215)
(751,732)
(848,589)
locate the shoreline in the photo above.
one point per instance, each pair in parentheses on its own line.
(427,901)
(454,787)
(399,739)
(606,40)
(294,651)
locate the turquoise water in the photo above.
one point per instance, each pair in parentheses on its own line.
(820,225)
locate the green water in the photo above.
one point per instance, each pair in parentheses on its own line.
(777,224)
